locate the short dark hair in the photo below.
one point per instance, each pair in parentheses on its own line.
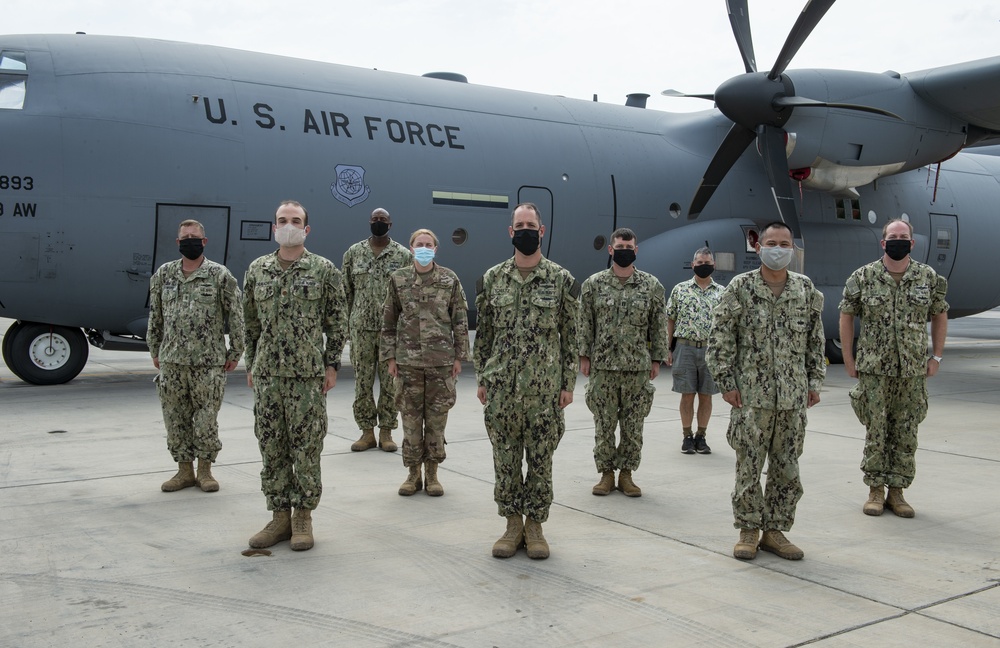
(527,205)
(624,234)
(777,225)
(295,203)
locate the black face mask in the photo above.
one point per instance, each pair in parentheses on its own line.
(704,270)
(897,249)
(191,248)
(380,228)
(526,241)
(623,258)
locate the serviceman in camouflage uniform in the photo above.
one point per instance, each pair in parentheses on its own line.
(526,354)
(367,266)
(425,338)
(689,320)
(292,298)
(894,297)
(623,339)
(766,354)
(190,301)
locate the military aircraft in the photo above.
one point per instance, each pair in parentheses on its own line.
(109,142)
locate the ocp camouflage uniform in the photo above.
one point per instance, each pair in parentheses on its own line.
(890,398)
(287,314)
(187,322)
(623,330)
(526,352)
(366,279)
(691,307)
(425,329)
(771,350)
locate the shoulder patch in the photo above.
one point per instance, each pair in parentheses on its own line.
(479,284)
(574,290)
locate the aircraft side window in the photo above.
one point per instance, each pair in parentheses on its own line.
(13,65)
(13,61)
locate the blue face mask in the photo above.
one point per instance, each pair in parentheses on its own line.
(424,255)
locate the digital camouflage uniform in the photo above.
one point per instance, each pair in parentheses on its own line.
(771,350)
(526,352)
(623,330)
(187,322)
(366,279)
(890,398)
(691,307)
(425,329)
(287,314)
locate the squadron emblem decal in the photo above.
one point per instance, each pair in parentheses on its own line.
(350,187)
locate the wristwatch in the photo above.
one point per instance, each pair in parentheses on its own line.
(938,358)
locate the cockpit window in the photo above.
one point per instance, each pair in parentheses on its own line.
(13,79)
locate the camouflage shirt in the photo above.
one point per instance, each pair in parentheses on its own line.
(622,326)
(526,334)
(690,307)
(893,340)
(366,278)
(187,315)
(425,322)
(287,313)
(769,348)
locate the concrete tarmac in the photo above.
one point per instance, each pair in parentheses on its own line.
(92,553)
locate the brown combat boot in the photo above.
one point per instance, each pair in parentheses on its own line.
(206,481)
(413,482)
(277,530)
(434,487)
(894,502)
(183,479)
(534,541)
(627,486)
(607,483)
(366,442)
(512,538)
(746,547)
(776,542)
(302,530)
(876,501)
(385,440)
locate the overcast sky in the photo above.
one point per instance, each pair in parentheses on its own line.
(574,48)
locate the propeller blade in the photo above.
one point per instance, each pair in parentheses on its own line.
(771,145)
(677,93)
(739,18)
(811,14)
(737,140)
(802,102)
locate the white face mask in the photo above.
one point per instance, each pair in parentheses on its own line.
(290,236)
(776,258)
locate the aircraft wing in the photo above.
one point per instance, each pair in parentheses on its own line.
(969,91)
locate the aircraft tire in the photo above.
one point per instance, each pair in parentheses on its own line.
(8,341)
(834,351)
(43,354)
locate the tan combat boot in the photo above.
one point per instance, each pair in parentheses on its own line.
(183,479)
(776,542)
(302,530)
(434,487)
(385,440)
(206,481)
(366,442)
(894,502)
(607,483)
(627,486)
(512,538)
(277,530)
(876,501)
(746,547)
(412,483)
(534,541)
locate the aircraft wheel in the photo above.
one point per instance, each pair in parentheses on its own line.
(43,354)
(834,351)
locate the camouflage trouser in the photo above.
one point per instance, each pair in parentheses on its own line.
(424,395)
(364,358)
(290,424)
(619,398)
(891,408)
(526,428)
(776,435)
(191,398)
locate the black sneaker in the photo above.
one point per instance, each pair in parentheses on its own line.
(687,447)
(700,446)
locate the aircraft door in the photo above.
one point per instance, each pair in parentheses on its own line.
(542,198)
(942,243)
(168,219)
